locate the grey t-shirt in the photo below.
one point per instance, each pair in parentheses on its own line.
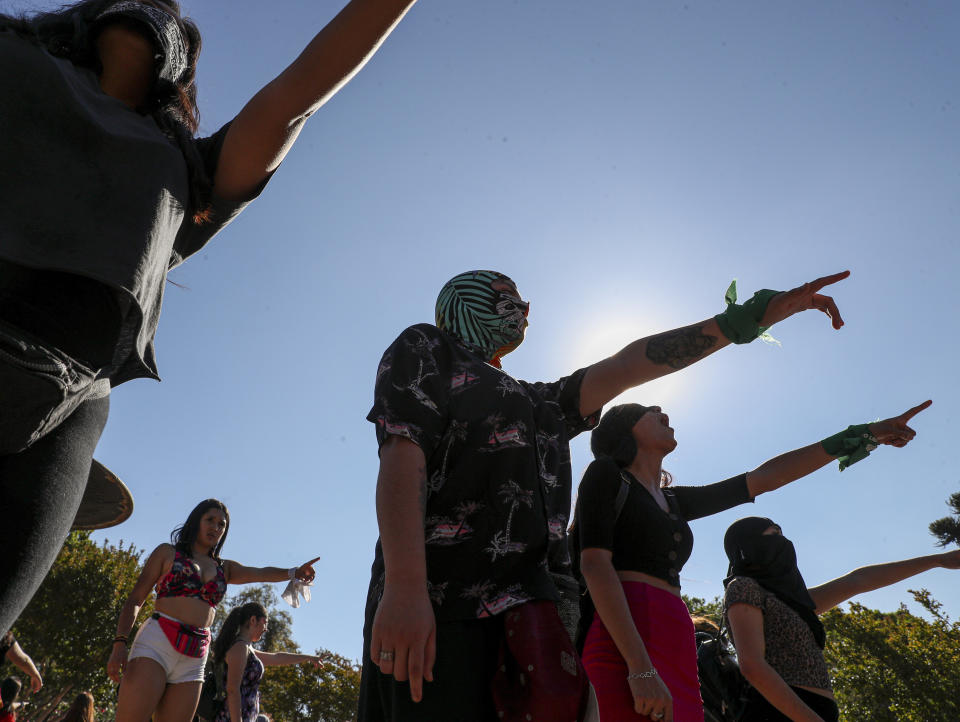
(90,187)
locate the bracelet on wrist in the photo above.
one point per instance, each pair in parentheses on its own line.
(851,445)
(120,638)
(643,675)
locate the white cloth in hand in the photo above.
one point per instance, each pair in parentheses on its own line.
(296,589)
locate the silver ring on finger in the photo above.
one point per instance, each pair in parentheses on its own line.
(386,655)
(656,715)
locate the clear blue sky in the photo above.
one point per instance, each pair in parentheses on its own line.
(622,160)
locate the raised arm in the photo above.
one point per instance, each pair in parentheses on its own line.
(746,624)
(796,464)
(22,661)
(650,694)
(240,574)
(158,564)
(264,130)
(404,628)
(876,576)
(655,356)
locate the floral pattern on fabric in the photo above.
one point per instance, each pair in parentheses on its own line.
(249,691)
(498,471)
(184,580)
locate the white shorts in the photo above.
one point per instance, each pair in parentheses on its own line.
(152,643)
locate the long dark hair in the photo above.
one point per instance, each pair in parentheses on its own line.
(185,535)
(81,710)
(231,628)
(65,33)
(9,691)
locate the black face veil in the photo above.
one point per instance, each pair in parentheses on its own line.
(771,560)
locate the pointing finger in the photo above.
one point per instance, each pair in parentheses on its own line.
(827,280)
(909,414)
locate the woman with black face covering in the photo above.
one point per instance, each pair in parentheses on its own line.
(774,623)
(638,646)
(103,189)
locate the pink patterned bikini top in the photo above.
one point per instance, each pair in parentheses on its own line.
(184,580)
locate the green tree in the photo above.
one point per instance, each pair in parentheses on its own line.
(701,607)
(69,625)
(894,666)
(302,693)
(947,529)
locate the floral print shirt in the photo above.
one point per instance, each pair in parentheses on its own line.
(249,691)
(498,471)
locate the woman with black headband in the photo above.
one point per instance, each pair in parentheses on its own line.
(773,618)
(631,524)
(103,189)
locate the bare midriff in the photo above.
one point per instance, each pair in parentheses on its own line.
(816,690)
(188,610)
(631,576)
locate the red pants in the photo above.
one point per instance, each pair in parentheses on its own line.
(664,625)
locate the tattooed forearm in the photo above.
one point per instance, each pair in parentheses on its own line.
(678,349)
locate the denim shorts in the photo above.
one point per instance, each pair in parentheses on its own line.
(40,386)
(152,643)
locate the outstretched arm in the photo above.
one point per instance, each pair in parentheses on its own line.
(264,130)
(655,356)
(404,628)
(239,574)
(796,464)
(282,659)
(866,579)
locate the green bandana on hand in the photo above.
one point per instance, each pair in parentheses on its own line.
(741,323)
(851,445)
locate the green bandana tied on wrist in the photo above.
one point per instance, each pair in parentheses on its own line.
(741,323)
(850,445)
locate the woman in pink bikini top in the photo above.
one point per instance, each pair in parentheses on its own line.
(164,666)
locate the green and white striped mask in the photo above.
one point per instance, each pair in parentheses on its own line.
(488,321)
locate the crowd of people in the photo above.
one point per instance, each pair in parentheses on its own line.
(474,609)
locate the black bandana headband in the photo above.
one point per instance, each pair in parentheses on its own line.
(164,30)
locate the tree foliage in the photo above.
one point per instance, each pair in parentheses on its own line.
(889,666)
(947,529)
(69,625)
(302,693)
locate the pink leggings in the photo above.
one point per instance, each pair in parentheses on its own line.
(664,625)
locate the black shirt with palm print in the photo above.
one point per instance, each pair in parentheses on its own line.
(498,471)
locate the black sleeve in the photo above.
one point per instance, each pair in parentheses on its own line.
(700,501)
(596,502)
(412,389)
(192,236)
(565,394)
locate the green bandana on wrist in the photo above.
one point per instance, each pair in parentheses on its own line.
(850,445)
(741,323)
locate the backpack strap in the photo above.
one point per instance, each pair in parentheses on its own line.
(621,499)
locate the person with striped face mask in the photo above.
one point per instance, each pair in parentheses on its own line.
(471,580)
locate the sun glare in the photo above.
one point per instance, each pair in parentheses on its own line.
(590,341)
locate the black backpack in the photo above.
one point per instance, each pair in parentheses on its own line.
(722,685)
(213,694)
(573,541)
